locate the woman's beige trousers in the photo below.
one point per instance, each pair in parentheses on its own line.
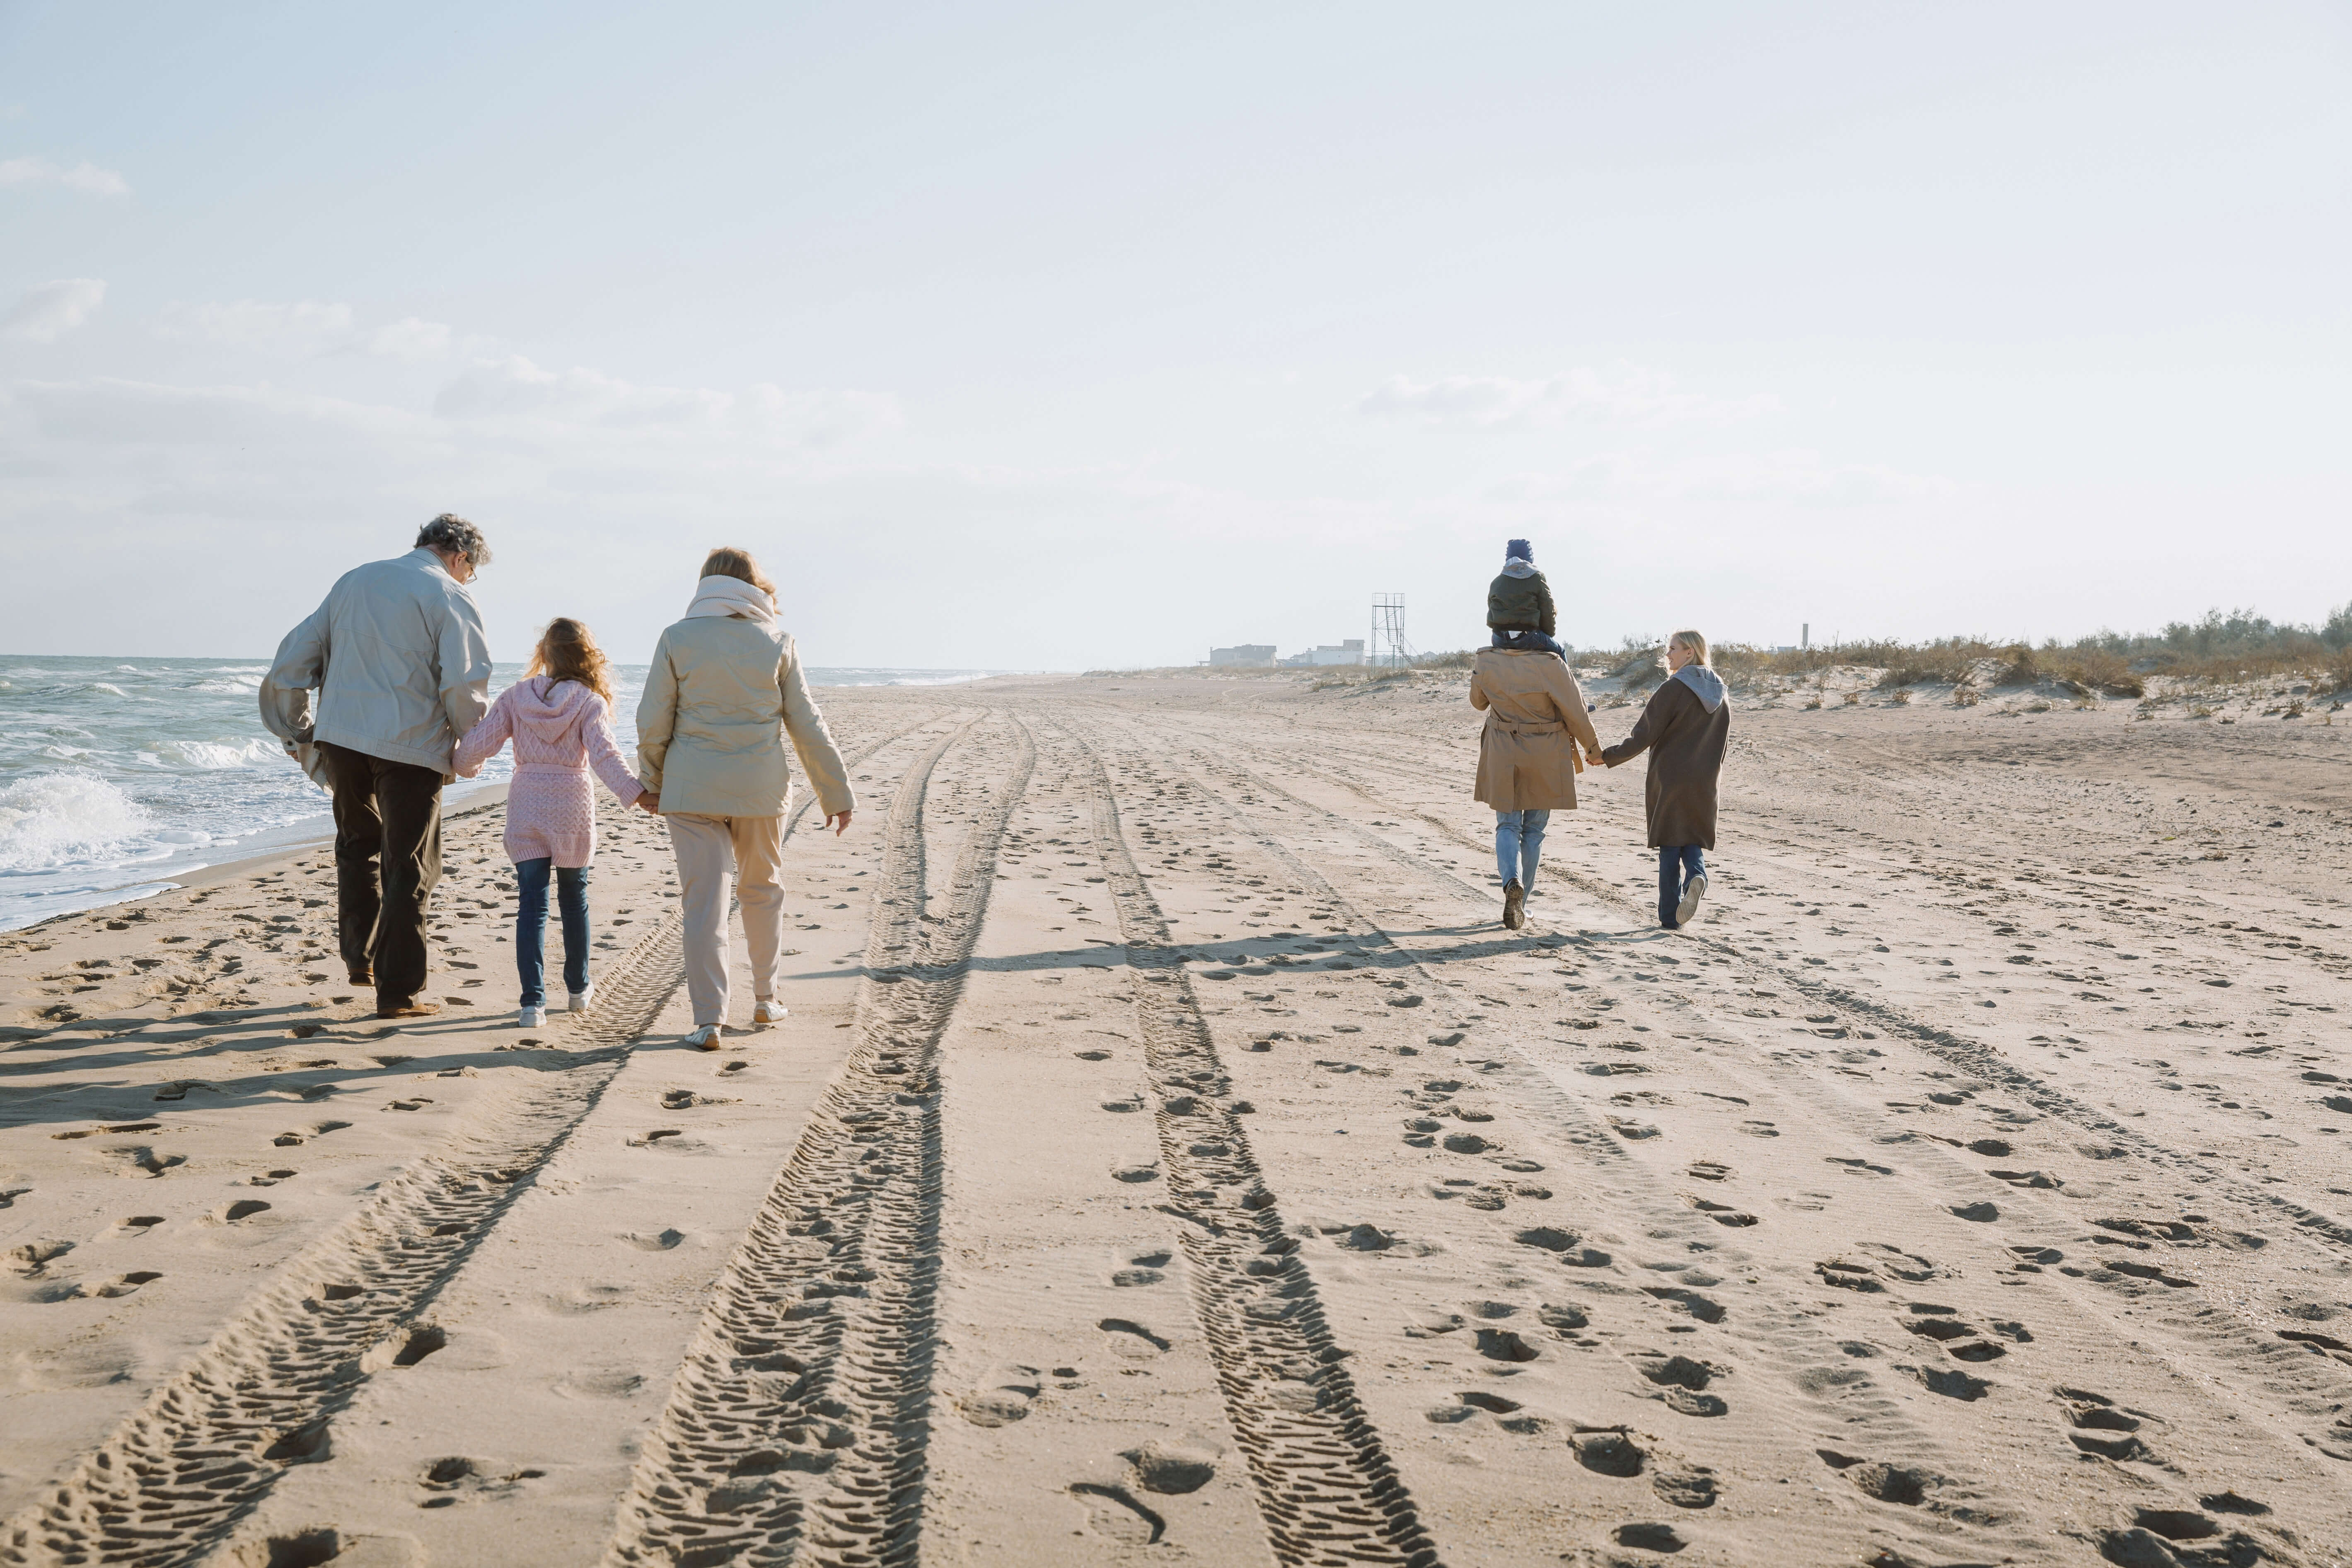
(708,848)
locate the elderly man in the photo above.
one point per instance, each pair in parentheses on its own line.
(398,657)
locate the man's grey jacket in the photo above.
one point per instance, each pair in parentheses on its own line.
(398,657)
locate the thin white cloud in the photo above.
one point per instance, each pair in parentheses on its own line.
(304,328)
(513,392)
(1631,394)
(80,177)
(49,310)
(411,337)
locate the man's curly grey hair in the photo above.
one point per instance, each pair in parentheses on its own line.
(450,532)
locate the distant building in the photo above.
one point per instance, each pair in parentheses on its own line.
(1253,656)
(1349,652)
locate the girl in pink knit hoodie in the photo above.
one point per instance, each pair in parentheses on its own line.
(560,718)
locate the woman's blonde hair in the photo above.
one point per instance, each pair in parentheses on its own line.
(729,562)
(567,652)
(1696,643)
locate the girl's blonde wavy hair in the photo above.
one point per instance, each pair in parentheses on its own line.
(567,652)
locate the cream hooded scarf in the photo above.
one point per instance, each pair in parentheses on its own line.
(731,596)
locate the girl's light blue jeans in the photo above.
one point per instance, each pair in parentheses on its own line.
(1519,844)
(531,878)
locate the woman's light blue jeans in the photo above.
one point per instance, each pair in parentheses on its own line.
(1519,844)
(530,926)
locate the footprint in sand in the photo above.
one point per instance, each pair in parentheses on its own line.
(1609,1453)
(2102,1427)
(1887,1483)
(1659,1538)
(1950,1382)
(1131,1339)
(1565,1245)
(1703,1308)
(1693,1487)
(1932,1321)
(1565,1322)
(1143,1269)
(654,1241)
(1003,1403)
(139,1162)
(1504,1345)
(1113,1513)
(1682,1380)
(1174,1469)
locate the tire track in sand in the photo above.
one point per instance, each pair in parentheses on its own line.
(1326,1485)
(797,1428)
(208,1446)
(1959,1050)
(205,1448)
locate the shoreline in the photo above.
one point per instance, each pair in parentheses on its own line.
(304,835)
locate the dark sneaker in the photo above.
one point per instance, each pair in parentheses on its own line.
(1693,892)
(1514,905)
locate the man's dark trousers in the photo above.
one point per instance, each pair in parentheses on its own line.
(387,859)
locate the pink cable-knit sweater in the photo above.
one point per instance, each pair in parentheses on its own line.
(559,730)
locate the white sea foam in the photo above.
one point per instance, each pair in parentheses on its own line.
(109,690)
(54,819)
(213,754)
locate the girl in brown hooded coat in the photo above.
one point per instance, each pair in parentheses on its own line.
(1685,728)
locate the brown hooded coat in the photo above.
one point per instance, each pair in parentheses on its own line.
(1686,743)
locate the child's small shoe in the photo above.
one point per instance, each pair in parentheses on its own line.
(533,1018)
(703,1037)
(582,998)
(766,1011)
(1693,892)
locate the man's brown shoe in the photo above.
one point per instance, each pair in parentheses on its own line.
(362,976)
(408,1010)
(1514,905)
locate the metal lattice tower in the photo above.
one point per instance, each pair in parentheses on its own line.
(1388,644)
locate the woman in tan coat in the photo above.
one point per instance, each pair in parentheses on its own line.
(724,691)
(1528,757)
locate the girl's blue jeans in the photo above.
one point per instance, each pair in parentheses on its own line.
(1519,844)
(1677,863)
(530,926)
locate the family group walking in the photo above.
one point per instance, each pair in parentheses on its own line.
(1539,735)
(383,696)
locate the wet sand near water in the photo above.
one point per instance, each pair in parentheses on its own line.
(1169,1157)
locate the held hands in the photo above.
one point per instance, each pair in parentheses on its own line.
(650,801)
(838,822)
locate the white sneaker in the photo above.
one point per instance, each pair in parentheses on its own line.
(533,1018)
(581,999)
(703,1036)
(1693,892)
(770,1012)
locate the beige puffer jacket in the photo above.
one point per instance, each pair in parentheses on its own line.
(720,697)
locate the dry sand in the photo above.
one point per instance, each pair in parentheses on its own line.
(1169,1160)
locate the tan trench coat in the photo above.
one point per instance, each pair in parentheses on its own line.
(1536,720)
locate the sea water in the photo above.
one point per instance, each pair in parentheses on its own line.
(118,775)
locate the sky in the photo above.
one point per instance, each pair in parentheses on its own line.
(1076,336)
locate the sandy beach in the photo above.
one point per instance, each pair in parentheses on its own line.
(1971,1185)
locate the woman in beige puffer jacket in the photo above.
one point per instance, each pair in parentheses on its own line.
(726,688)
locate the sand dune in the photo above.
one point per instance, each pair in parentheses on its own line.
(1168,1158)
